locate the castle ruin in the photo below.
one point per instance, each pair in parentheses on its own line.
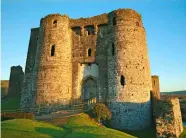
(103,57)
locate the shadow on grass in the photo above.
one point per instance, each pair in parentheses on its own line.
(75,132)
(51,132)
(144,133)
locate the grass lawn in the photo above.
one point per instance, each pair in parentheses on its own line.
(76,127)
(24,128)
(11,103)
(144,133)
(83,127)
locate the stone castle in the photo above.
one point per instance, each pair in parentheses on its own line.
(103,57)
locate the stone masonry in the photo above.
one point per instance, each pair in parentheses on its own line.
(166,113)
(168,118)
(103,57)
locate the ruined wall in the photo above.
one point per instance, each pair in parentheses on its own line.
(129,79)
(155,87)
(15,81)
(168,118)
(27,93)
(53,67)
(32,48)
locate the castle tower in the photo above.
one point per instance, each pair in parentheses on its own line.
(155,87)
(53,65)
(129,78)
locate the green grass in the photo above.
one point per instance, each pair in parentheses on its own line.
(10,103)
(183,134)
(144,133)
(24,128)
(80,126)
(83,127)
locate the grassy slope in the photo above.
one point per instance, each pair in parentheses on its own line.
(77,127)
(23,128)
(10,103)
(82,126)
(145,133)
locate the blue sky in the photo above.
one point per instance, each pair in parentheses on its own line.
(164,21)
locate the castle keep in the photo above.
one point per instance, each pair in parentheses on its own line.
(105,57)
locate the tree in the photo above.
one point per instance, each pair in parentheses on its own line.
(102,112)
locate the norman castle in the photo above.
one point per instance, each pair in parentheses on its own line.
(105,57)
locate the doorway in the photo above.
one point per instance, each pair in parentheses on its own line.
(89,89)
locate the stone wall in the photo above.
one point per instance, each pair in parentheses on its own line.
(15,81)
(53,68)
(89,34)
(32,48)
(27,93)
(129,79)
(167,117)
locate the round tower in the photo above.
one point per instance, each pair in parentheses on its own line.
(129,78)
(53,66)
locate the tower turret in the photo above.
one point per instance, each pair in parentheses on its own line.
(129,79)
(53,68)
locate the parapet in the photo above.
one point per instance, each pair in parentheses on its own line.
(127,12)
(34,29)
(53,16)
(96,20)
(16,69)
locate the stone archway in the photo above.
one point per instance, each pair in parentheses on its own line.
(89,88)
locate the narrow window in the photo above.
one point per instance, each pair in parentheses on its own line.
(89,33)
(137,23)
(52,50)
(122,80)
(55,23)
(113,49)
(114,21)
(154,82)
(89,52)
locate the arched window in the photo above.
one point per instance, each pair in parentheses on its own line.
(52,50)
(55,23)
(114,21)
(122,80)
(89,52)
(113,49)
